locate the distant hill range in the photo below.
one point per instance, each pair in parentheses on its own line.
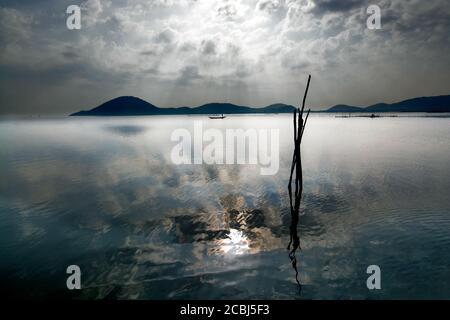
(132,106)
(423,104)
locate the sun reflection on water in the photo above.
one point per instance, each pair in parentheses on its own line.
(236,243)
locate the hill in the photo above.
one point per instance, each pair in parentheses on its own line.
(132,106)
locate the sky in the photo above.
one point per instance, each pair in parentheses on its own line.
(247,52)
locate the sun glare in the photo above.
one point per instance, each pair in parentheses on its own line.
(236,244)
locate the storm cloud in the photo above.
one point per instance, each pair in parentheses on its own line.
(248,52)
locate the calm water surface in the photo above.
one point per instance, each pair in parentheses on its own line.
(103,193)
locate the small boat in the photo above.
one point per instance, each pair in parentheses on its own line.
(217,117)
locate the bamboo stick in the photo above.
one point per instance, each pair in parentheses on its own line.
(299,128)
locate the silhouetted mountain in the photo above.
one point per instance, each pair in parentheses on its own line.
(344,108)
(212,108)
(379,107)
(278,108)
(132,106)
(423,104)
(121,106)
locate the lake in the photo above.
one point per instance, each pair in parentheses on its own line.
(104,194)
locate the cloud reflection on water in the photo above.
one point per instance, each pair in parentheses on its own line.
(142,227)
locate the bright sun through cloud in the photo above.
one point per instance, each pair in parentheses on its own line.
(246,52)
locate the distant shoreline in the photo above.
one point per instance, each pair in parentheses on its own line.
(443,115)
(399,114)
(133,106)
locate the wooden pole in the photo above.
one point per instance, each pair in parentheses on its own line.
(294,200)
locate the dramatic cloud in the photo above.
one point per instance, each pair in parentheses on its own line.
(248,52)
